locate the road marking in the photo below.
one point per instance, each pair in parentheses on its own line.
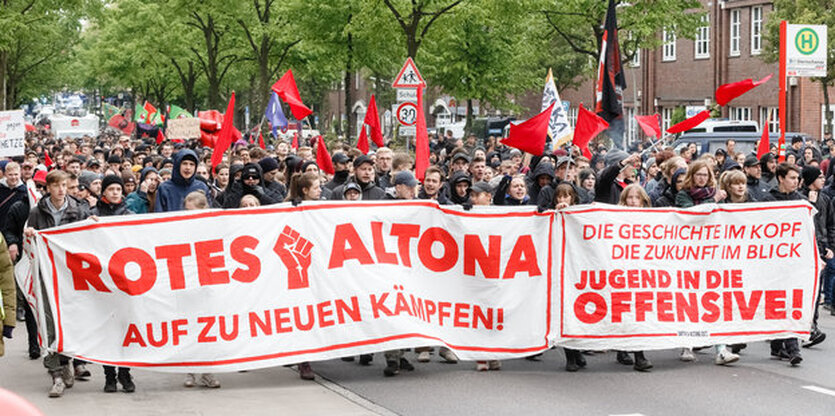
(820,390)
(629,414)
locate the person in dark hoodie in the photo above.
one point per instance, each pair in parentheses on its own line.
(757,190)
(460,184)
(12,189)
(511,191)
(786,190)
(251,183)
(612,179)
(112,203)
(542,177)
(170,194)
(364,177)
(143,199)
(769,165)
(269,171)
(340,165)
(812,185)
(234,175)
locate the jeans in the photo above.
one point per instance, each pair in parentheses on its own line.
(828,281)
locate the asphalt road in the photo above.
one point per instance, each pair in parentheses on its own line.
(755,385)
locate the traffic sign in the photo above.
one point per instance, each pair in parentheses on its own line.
(407,114)
(806,51)
(408,130)
(408,77)
(406,95)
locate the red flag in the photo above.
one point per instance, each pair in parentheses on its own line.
(611,79)
(160,136)
(362,142)
(764,145)
(588,126)
(295,144)
(224,138)
(323,158)
(529,136)
(289,93)
(149,110)
(421,139)
(727,92)
(651,125)
(47,160)
(261,140)
(372,118)
(689,123)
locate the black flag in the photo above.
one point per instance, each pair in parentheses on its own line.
(610,78)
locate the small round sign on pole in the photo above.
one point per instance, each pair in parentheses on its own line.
(407,114)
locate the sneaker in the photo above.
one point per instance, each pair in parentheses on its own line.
(34,354)
(495,365)
(347,359)
(423,357)
(392,369)
(448,356)
(306,371)
(624,358)
(189,382)
(110,384)
(406,365)
(687,355)
(82,373)
(66,374)
(795,359)
(209,380)
(726,357)
(365,359)
(58,386)
(481,366)
(815,338)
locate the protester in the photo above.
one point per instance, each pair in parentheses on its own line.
(143,200)
(12,189)
(170,194)
(8,293)
(55,208)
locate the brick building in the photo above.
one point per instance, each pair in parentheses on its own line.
(686,72)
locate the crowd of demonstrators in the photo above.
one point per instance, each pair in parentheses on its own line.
(114,174)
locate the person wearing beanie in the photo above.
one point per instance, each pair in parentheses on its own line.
(364,176)
(340,166)
(112,203)
(251,183)
(813,182)
(269,171)
(768,163)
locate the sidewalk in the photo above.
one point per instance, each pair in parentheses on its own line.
(272,391)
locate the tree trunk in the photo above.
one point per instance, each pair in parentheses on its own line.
(4,58)
(349,75)
(468,125)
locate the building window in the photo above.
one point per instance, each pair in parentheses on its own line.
(636,58)
(741,113)
(666,117)
(631,133)
(769,116)
(669,46)
(823,117)
(572,116)
(756,30)
(703,39)
(735,26)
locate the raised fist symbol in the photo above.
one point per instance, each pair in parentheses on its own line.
(294,252)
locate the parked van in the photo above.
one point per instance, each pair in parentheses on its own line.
(711,126)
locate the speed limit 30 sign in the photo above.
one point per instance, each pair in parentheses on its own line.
(407,114)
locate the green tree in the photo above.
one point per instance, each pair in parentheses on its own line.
(417,17)
(812,12)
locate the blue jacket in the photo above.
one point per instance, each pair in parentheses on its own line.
(170,194)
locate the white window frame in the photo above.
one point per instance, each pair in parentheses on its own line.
(740,113)
(667,117)
(735,35)
(636,57)
(756,30)
(823,117)
(701,46)
(631,135)
(669,47)
(572,116)
(773,122)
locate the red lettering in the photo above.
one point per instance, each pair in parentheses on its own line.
(383,256)
(775,304)
(713,312)
(665,306)
(580,306)
(347,245)
(461,313)
(404,233)
(173,255)
(450,255)
(620,304)
(324,313)
(208,262)
(240,254)
(85,269)
(177,330)
(163,337)
(522,259)
(133,336)
(643,304)
(208,322)
(474,253)
(147,271)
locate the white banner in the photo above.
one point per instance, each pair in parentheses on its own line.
(229,290)
(12,133)
(663,278)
